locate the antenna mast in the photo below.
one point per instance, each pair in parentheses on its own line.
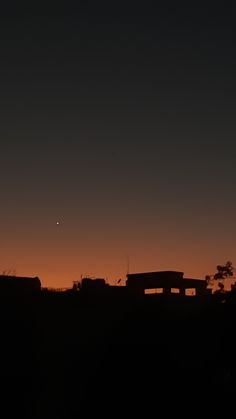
(127,264)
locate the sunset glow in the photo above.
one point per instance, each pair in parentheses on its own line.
(126,131)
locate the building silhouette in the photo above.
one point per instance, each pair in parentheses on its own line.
(19,285)
(165,282)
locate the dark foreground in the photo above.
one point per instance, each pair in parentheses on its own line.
(64,356)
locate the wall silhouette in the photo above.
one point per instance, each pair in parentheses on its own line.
(69,352)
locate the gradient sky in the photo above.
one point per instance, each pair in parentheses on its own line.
(117,122)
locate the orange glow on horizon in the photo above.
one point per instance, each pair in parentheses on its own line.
(61,254)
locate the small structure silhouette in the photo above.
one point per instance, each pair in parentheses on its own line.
(92,283)
(19,285)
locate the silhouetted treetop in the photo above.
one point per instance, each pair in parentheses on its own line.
(224,271)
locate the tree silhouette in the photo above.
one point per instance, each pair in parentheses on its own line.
(222,272)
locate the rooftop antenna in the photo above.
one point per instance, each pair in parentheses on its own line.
(127,264)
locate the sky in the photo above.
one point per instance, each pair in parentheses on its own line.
(117,138)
